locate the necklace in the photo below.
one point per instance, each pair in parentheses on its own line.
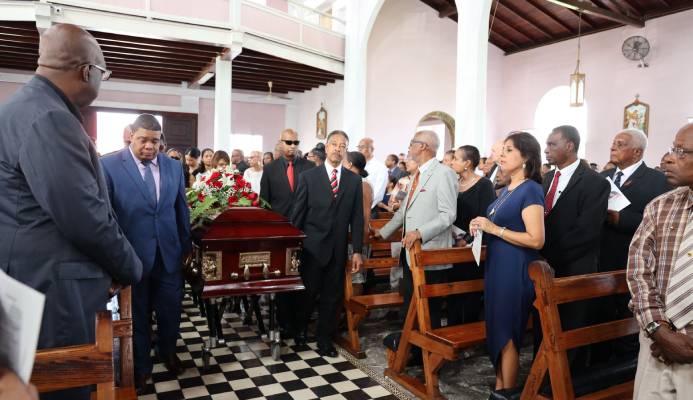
(470,183)
(502,200)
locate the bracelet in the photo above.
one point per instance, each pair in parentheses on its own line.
(500,234)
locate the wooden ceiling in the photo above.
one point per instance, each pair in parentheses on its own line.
(166,61)
(525,24)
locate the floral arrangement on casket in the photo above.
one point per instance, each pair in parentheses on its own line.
(216,192)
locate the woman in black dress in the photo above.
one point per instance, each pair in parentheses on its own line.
(475,195)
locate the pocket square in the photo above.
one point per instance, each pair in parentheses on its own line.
(422,190)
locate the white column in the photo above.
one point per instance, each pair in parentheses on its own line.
(222,105)
(472,52)
(360,16)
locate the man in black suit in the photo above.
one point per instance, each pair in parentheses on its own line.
(329,205)
(576,200)
(640,184)
(238,159)
(278,187)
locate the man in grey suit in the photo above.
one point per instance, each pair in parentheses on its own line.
(427,213)
(58,233)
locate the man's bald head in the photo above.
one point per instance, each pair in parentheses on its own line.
(71,58)
(679,161)
(66,46)
(365,147)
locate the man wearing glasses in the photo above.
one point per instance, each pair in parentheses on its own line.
(58,231)
(278,187)
(660,278)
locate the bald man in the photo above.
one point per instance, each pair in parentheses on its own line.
(58,232)
(377,171)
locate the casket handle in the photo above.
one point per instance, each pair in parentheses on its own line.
(246,272)
(234,275)
(265,270)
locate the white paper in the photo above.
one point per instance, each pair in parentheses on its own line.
(21,309)
(476,246)
(617,200)
(395,249)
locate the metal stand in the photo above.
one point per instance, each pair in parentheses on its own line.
(214,324)
(274,333)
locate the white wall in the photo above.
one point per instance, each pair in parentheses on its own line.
(411,72)
(612,82)
(301,114)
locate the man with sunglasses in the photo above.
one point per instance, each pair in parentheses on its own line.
(660,278)
(59,234)
(278,187)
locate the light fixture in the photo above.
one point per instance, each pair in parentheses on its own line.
(577,79)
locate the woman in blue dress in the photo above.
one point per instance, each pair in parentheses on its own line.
(515,229)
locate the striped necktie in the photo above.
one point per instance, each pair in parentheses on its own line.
(334,183)
(679,300)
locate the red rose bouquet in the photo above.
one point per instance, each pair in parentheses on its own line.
(216,191)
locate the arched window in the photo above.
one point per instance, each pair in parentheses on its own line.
(554,110)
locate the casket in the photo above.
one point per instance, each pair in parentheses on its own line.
(249,250)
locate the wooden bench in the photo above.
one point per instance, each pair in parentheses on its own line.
(384,215)
(78,366)
(358,307)
(122,333)
(439,344)
(615,381)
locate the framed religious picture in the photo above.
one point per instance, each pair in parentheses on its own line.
(636,115)
(321,123)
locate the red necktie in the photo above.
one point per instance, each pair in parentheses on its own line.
(334,183)
(551,194)
(290,175)
(414,184)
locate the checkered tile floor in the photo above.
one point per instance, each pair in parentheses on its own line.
(244,369)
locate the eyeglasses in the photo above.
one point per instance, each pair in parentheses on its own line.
(292,142)
(679,152)
(105,73)
(417,141)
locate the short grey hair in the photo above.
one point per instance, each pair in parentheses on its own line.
(639,138)
(431,139)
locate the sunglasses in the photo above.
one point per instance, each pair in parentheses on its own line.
(292,142)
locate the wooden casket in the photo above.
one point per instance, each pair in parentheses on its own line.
(249,250)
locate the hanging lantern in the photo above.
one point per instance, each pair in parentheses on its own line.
(577,79)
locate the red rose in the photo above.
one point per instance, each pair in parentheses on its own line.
(200,197)
(215,175)
(256,203)
(232,200)
(252,195)
(217,184)
(247,185)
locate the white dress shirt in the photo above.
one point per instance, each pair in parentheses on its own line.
(377,177)
(253,177)
(627,172)
(566,174)
(154,166)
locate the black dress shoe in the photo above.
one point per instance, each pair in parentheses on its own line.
(173,364)
(301,338)
(327,350)
(141,383)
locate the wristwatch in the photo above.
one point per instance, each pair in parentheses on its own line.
(653,327)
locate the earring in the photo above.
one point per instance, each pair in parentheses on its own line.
(524,165)
(465,169)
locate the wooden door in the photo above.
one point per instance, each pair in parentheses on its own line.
(180,130)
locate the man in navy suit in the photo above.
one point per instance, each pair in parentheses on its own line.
(147,190)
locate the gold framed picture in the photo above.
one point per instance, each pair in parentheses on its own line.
(321,123)
(636,115)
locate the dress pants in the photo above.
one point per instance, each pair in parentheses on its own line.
(161,291)
(435,304)
(324,286)
(656,380)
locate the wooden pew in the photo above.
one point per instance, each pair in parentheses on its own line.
(122,332)
(384,215)
(440,344)
(552,357)
(77,366)
(357,307)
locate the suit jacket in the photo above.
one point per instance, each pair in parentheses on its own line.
(164,225)
(397,173)
(641,187)
(431,211)
(326,220)
(58,233)
(274,185)
(573,227)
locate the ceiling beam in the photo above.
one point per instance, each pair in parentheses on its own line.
(155,42)
(505,38)
(209,68)
(665,2)
(588,8)
(263,58)
(634,7)
(276,83)
(585,19)
(149,72)
(277,71)
(447,11)
(151,63)
(265,78)
(257,89)
(511,26)
(265,89)
(510,8)
(543,10)
(161,67)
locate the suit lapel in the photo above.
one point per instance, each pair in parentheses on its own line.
(163,180)
(639,172)
(284,165)
(577,175)
(325,183)
(343,186)
(134,173)
(423,179)
(546,183)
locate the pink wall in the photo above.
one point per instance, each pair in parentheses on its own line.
(136,4)
(323,41)
(264,21)
(612,82)
(306,106)
(214,10)
(411,72)
(252,118)
(138,98)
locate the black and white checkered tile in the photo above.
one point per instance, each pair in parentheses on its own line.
(243,368)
